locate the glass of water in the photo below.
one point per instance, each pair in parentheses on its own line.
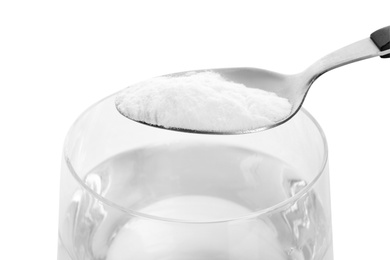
(134,192)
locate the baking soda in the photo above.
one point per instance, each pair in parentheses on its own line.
(203,101)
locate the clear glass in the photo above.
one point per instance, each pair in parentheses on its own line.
(131,191)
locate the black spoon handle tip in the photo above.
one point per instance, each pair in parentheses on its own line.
(381,38)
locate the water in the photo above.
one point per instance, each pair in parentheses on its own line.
(196,182)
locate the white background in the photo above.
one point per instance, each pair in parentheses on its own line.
(59,57)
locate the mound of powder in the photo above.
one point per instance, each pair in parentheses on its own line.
(203,101)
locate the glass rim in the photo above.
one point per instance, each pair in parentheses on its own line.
(258,213)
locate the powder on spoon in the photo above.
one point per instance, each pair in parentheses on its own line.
(203,101)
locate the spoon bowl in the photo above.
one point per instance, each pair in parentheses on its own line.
(292,87)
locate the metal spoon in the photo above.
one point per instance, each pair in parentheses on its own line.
(295,87)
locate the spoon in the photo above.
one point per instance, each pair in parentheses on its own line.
(294,87)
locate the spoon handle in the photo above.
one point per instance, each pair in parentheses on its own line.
(377,45)
(381,38)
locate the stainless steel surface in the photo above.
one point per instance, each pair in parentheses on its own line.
(293,87)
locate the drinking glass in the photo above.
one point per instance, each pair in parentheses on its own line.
(131,191)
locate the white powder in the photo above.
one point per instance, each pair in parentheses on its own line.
(203,101)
